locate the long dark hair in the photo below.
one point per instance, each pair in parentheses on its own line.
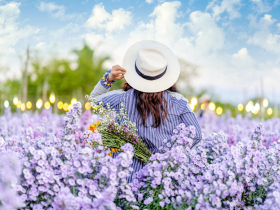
(151,103)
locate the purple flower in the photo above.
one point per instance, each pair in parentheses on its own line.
(56,188)
(127,147)
(121,174)
(71,182)
(113,176)
(148,201)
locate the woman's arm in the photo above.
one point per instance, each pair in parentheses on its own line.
(103,86)
(107,81)
(186,114)
(189,118)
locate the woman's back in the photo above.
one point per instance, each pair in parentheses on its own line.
(178,111)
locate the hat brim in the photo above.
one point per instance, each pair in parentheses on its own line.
(150,86)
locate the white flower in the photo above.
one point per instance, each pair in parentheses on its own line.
(2,142)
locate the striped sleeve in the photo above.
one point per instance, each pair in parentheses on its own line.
(113,98)
(98,90)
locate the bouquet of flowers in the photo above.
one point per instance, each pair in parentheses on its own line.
(117,130)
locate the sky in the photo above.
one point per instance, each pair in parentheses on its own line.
(233,43)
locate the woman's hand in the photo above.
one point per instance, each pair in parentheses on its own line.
(117,73)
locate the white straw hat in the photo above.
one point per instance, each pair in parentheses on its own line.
(150,66)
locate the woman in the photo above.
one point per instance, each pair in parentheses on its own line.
(150,69)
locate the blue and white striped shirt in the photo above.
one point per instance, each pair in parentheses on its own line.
(178,108)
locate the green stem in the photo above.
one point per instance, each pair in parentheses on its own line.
(113,141)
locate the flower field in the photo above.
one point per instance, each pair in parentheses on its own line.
(53,161)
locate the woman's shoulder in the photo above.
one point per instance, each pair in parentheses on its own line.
(178,103)
(177,97)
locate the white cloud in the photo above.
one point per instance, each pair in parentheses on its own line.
(8,14)
(267,20)
(208,37)
(268,41)
(10,32)
(40,46)
(243,53)
(278,25)
(52,8)
(263,22)
(101,19)
(68,28)
(261,6)
(167,13)
(103,45)
(243,62)
(229,6)
(57,11)
(149,1)
(264,38)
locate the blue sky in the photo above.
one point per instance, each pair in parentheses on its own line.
(232,43)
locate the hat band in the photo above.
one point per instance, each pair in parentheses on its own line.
(149,77)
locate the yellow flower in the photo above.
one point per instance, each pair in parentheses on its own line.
(114,150)
(110,154)
(92,127)
(97,123)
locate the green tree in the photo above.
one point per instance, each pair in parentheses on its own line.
(64,81)
(58,77)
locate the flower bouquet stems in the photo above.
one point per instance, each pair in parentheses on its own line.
(111,140)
